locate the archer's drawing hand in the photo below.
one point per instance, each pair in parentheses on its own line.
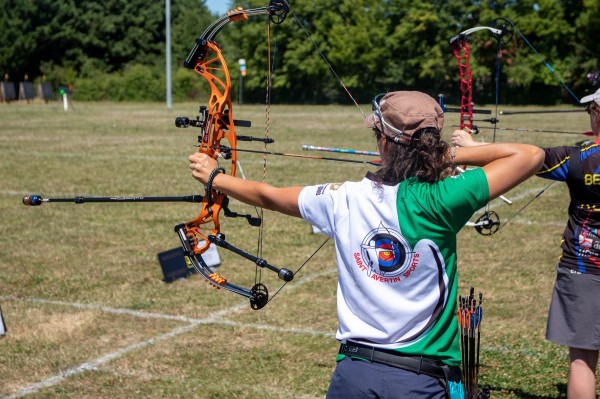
(461,138)
(202,165)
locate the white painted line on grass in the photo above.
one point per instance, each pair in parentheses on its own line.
(213,318)
(91,365)
(103,308)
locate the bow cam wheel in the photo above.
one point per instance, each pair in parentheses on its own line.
(488,223)
(260,298)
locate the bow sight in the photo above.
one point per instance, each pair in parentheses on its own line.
(201,122)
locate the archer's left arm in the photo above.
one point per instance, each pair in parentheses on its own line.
(283,200)
(556,163)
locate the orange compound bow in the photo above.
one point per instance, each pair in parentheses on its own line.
(217,125)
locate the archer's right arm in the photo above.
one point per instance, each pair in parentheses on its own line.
(505,164)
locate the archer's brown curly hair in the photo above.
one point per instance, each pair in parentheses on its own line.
(424,157)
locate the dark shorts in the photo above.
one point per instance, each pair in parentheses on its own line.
(574,316)
(358,379)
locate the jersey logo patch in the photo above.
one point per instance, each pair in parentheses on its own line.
(386,253)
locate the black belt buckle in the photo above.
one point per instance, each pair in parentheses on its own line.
(346,349)
(364,351)
(416,364)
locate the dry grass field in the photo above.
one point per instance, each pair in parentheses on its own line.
(89,316)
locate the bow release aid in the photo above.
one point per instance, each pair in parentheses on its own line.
(202,119)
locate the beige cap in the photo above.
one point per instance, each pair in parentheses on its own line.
(407,112)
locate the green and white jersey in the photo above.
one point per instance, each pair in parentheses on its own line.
(396,255)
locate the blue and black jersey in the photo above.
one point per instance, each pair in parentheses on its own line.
(579,167)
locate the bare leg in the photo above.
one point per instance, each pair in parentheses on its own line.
(582,376)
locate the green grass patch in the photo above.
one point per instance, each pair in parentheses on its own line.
(88,315)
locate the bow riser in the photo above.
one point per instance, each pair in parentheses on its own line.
(219,123)
(196,231)
(462,51)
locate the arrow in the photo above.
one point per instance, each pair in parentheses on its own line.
(522,129)
(540,111)
(343,150)
(226,150)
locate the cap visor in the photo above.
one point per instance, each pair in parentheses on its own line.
(370,121)
(587,99)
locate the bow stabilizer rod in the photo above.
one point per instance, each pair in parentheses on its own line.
(36,199)
(283,273)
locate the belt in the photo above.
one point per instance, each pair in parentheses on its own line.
(416,364)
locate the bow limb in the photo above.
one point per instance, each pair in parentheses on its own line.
(502,30)
(277,11)
(258,294)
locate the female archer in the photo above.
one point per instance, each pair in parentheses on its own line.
(395,240)
(574,316)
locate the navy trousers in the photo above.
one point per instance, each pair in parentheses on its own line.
(358,379)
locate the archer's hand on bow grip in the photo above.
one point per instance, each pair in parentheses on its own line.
(202,165)
(462,138)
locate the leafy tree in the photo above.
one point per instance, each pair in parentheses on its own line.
(89,37)
(587,46)
(371,45)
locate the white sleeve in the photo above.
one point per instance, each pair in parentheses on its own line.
(319,204)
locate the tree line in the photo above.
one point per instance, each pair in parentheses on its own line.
(115,49)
